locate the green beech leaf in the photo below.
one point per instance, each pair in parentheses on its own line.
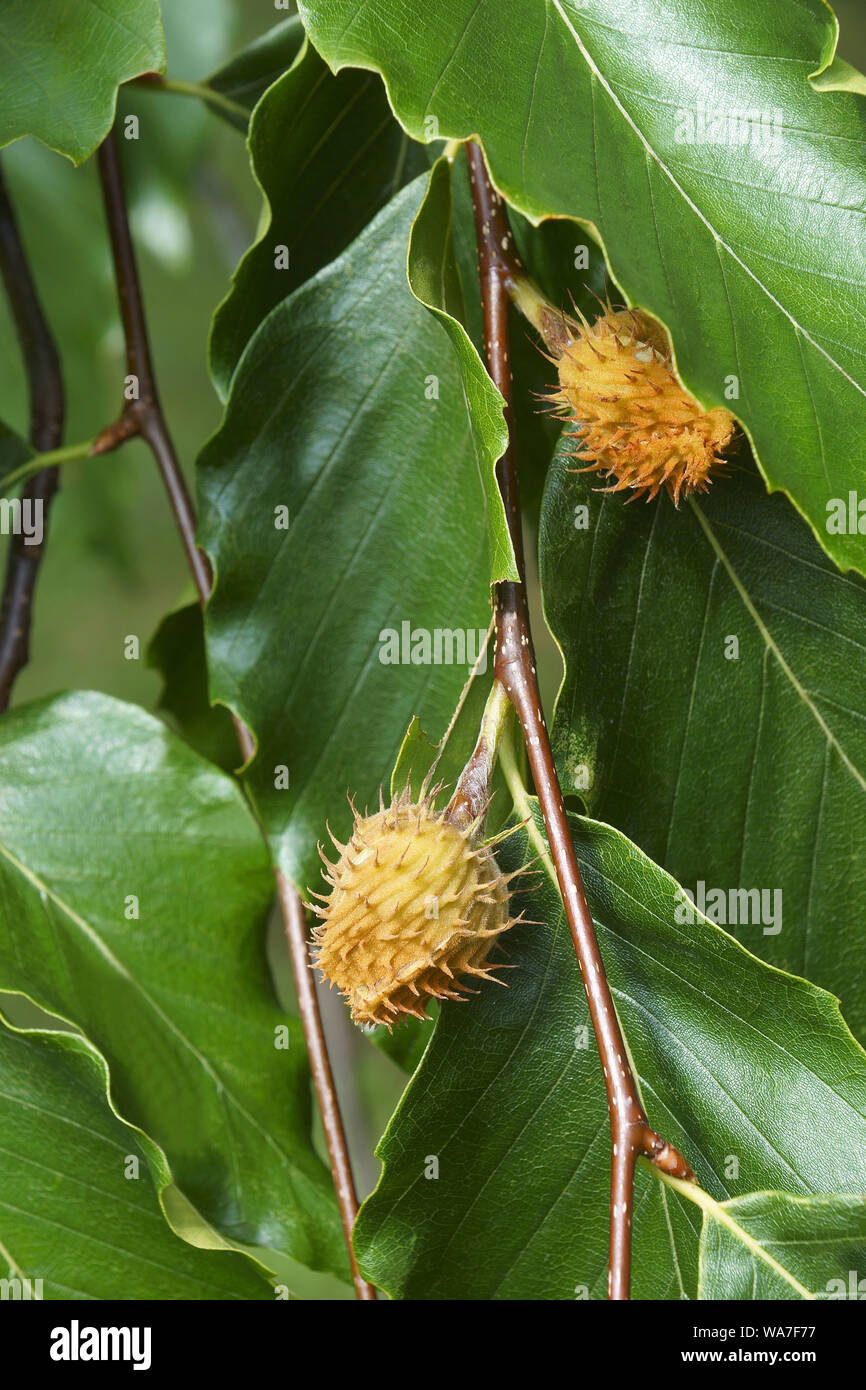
(435,282)
(407,1044)
(82,1190)
(134,888)
(178,653)
(348,409)
(327,154)
(839,76)
(248,75)
(690,136)
(713,707)
(770,1245)
(60,67)
(747,1070)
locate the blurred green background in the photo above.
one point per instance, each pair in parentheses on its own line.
(114,566)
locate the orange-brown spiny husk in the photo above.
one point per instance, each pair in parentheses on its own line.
(414,909)
(634,421)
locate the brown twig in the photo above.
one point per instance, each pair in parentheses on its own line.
(320,1066)
(631,1134)
(45,388)
(143,416)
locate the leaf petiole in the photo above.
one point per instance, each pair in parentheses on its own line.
(50,458)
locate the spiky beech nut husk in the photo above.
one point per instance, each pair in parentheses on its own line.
(634,421)
(414,909)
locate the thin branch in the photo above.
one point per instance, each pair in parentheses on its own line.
(46,458)
(332,1123)
(631,1134)
(143,416)
(45,388)
(209,95)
